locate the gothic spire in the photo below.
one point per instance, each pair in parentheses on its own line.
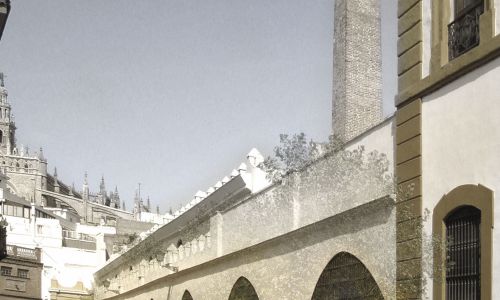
(56,182)
(40,154)
(85,192)
(102,186)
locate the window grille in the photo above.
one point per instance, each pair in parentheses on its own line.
(463,32)
(22,273)
(5,271)
(463,254)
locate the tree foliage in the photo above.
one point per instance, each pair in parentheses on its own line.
(293,154)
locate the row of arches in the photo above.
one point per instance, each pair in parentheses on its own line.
(344,277)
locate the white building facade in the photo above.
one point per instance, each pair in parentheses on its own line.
(447,135)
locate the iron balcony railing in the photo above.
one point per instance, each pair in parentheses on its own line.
(463,33)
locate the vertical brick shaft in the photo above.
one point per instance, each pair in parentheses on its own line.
(357,86)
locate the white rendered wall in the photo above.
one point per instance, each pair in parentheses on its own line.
(95,230)
(71,265)
(67,265)
(461,142)
(305,199)
(380,139)
(21,232)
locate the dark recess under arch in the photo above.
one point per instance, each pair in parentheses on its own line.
(243,290)
(345,277)
(187,296)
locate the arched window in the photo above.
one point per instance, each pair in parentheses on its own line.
(1,136)
(345,277)
(187,296)
(463,251)
(243,290)
(462,224)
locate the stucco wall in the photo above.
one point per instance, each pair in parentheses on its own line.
(327,188)
(460,142)
(67,265)
(289,267)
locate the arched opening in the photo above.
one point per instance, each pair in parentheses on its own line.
(243,290)
(187,296)
(1,136)
(345,277)
(463,252)
(463,231)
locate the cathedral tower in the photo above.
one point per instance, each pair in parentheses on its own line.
(357,97)
(7,125)
(102,195)
(85,188)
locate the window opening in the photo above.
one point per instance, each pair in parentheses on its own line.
(463,32)
(463,254)
(22,273)
(5,271)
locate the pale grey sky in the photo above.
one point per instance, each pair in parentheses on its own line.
(171,93)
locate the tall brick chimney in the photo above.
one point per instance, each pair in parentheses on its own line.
(357,84)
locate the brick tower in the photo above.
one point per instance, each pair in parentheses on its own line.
(357,96)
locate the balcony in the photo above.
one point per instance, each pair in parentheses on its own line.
(24,253)
(463,33)
(72,239)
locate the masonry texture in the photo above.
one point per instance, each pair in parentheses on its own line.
(357,97)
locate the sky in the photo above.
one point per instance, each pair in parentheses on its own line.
(171,94)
